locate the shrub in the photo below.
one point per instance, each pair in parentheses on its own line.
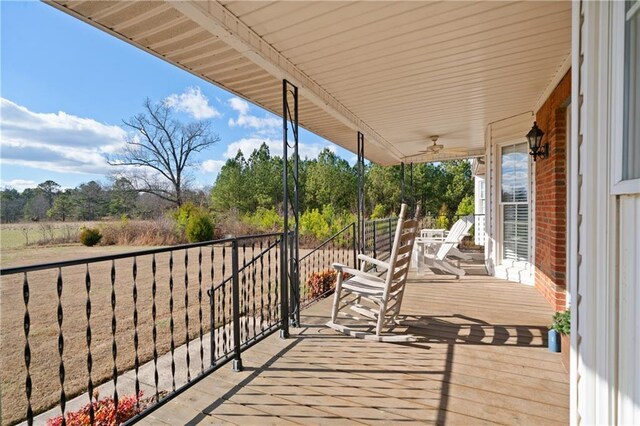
(314,225)
(90,236)
(321,283)
(159,232)
(264,220)
(442,221)
(378,212)
(466,207)
(199,228)
(562,322)
(104,411)
(182,214)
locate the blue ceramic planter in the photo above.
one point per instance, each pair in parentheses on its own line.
(554,341)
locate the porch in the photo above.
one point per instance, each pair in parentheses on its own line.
(482,358)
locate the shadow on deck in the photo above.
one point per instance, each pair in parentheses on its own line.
(481,358)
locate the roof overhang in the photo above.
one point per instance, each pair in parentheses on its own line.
(397,71)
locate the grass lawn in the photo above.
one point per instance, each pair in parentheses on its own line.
(16,235)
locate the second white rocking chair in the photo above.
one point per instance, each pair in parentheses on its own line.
(376,298)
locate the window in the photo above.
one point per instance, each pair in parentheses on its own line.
(514,200)
(631,127)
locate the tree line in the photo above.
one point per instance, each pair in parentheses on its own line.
(247,184)
(88,201)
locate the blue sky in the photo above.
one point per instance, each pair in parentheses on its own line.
(66,86)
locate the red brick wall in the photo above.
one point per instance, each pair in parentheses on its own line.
(551,198)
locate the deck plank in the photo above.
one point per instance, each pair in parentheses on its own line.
(481,358)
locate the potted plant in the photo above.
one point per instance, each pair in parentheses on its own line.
(559,335)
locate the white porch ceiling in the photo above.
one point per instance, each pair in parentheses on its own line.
(398,71)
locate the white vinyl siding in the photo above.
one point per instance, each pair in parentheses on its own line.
(606,251)
(514,199)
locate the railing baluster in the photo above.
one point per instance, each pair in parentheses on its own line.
(87,282)
(171,323)
(277,277)
(212,313)
(225,342)
(200,309)
(135,331)
(253,286)
(154,313)
(237,360)
(245,289)
(114,344)
(262,285)
(269,284)
(28,385)
(61,371)
(186,310)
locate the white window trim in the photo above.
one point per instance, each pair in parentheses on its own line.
(619,185)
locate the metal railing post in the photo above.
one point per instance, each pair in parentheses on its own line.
(212,325)
(237,360)
(284,287)
(294,304)
(375,243)
(355,249)
(389,231)
(402,182)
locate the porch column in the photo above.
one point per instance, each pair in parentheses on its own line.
(290,244)
(360,202)
(402,182)
(413,195)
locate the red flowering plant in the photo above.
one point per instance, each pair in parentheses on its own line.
(322,283)
(104,411)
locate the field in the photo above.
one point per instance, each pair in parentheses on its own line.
(17,235)
(43,303)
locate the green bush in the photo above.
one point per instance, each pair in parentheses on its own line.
(442,221)
(313,224)
(264,220)
(562,322)
(199,228)
(467,207)
(90,236)
(183,213)
(378,212)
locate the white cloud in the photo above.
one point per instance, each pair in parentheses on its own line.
(18,184)
(193,102)
(263,125)
(58,142)
(212,166)
(248,145)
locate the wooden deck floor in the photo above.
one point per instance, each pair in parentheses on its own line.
(482,358)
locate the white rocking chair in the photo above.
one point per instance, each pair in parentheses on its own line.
(376,298)
(434,252)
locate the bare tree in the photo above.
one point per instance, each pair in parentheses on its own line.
(164,147)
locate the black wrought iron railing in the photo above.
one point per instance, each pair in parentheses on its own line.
(316,272)
(139,327)
(378,239)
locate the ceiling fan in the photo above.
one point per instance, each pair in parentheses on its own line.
(435,148)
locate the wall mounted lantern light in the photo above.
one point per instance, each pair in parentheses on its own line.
(535,143)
